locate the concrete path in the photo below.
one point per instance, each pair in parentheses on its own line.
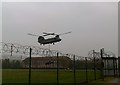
(115,81)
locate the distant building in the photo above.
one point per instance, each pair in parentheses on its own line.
(47,62)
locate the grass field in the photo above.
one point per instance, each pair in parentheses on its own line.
(46,76)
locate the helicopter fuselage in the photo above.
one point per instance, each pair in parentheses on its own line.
(53,40)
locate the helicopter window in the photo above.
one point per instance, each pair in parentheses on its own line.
(40,38)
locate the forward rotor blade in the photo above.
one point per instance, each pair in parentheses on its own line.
(48,34)
(45,33)
(32,34)
(64,33)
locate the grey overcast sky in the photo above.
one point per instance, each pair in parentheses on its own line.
(94,25)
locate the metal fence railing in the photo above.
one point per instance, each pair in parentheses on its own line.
(35,65)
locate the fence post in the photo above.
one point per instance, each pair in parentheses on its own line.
(30,66)
(105,74)
(102,64)
(86,69)
(74,70)
(57,68)
(94,65)
(119,65)
(11,49)
(114,66)
(108,66)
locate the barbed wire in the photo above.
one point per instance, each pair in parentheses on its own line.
(44,52)
(24,50)
(93,53)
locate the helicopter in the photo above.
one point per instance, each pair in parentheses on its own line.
(52,40)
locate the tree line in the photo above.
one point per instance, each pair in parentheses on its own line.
(79,64)
(11,64)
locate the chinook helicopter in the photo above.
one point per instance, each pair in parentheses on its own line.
(52,40)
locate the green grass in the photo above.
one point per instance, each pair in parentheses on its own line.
(46,76)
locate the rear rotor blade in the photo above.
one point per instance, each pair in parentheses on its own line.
(64,33)
(32,34)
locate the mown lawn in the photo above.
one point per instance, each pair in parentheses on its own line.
(46,76)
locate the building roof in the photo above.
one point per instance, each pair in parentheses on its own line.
(54,58)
